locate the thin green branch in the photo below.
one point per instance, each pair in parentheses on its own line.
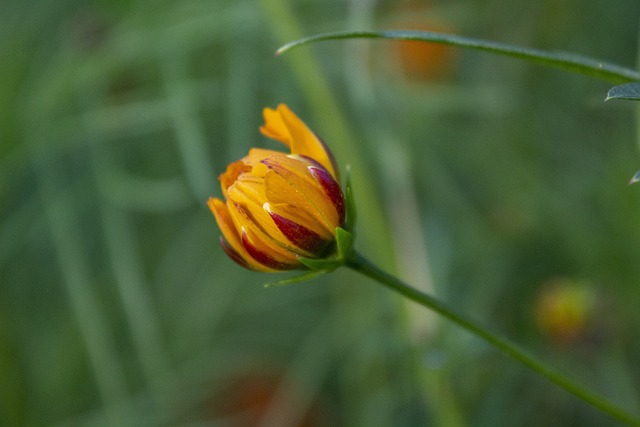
(363,266)
(563,60)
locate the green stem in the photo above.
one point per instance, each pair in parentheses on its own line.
(360,264)
(563,60)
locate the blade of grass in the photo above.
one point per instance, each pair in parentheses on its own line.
(190,137)
(335,128)
(563,60)
(241,89)
(39,111)
(77,279)
(353,314)
(123,250)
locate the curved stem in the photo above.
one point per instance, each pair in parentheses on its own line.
(361,265)
(563,60)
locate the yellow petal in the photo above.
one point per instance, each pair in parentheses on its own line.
(234,170)
(278,257)
(230,233)
(251,196)
(288,181)
(274,127)
(283,125)
(258,154)
(301,217)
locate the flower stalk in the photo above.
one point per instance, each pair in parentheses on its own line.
(358,263)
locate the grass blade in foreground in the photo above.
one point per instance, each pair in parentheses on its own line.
(563,60)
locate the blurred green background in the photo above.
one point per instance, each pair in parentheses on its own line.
(497,185)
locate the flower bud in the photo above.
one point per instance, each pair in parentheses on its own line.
(563,310)
(278,206)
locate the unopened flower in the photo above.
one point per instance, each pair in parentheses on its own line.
(280,207)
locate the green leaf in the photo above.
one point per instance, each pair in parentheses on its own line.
(344,241)
(566,61)
(629,91)
(294,280)
(352,213)
(322,265)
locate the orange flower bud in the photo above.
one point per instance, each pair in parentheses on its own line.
(279,206)
(426,61)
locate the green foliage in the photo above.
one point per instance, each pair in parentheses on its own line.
(629,91)
(117,307)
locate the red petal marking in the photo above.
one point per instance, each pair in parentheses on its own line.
(263,258)
(234,255)
(331,188)
(299,235)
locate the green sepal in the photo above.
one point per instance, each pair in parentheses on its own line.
(344,243)
(352,213)
(344,248)
(295,279)
(323,265)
